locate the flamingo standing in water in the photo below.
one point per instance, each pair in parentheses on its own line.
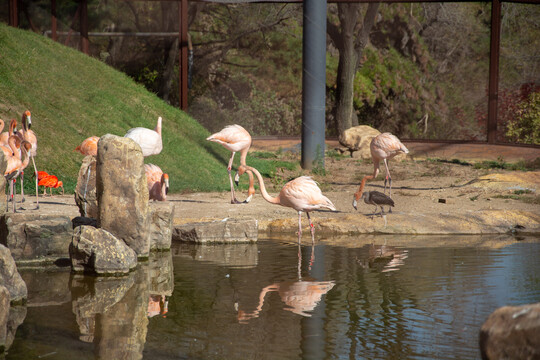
(383,147)
(149,140)
(234,138)
(30,136)
(302,194)
(158,182)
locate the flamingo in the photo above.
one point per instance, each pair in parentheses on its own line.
(16,161)
(302,194)
(234,138)
(51,181)
(88,146)
(149,140)
(158,182)
(4,137)
(30,136)
(383,147)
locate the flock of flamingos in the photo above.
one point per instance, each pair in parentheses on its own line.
(302,194)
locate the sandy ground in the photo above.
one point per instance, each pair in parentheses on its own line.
(426,191)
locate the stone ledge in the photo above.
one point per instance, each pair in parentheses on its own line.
(227,230)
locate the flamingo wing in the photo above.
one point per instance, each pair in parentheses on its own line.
(48,181)
(149,140)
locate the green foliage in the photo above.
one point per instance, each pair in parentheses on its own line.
(526,127)
(73,96)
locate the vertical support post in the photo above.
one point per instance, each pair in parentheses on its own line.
(494,71)
(13,13)
(313,83)
(54,35)
(83,23)
(183,60)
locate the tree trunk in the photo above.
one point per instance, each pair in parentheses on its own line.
(345,88)
(168,72)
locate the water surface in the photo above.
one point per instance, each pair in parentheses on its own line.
(353,298)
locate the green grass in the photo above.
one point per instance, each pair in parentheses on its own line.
(73,96)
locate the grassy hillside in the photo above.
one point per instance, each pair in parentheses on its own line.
(72,96)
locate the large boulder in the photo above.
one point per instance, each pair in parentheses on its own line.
(10,277)
(4,315)
(98,251)
(85,191)
(357,140)
(122,192)
(3,166)
(161,225)
(512,332)
(36,238)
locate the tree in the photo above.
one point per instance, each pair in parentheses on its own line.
(350,36)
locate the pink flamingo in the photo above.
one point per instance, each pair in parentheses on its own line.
(4,137)
(301,194)
(88,146)
(30,136)
(16,161)
(158,182)
(383,147)
(149,140)
(234,138)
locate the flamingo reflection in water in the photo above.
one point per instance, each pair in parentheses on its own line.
(389,257)
(300,297)
(157,305)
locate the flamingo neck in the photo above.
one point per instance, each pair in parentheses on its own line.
(2,124)
(375,169)
(158,126)
(265,195)
(358,194)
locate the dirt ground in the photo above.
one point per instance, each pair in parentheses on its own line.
(421,188)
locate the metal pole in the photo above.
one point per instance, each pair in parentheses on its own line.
(183,61)
(313,83)
(494,71)
(83,24)
(13,13)
(53,21)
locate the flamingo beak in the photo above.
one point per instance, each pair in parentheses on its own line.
(236,178)
(166,186)
(29,123)
(354,204)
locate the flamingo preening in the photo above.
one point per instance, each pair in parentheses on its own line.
(383,147)
(158,182)
(149,140)
(235,139)
(302,194)
(27,134)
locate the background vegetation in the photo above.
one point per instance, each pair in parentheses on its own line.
(73,96)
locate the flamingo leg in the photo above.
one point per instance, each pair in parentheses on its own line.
(299,226)
(229,169)
(13,194)
(312,228)
(22,186)
(388,179)
(37,190)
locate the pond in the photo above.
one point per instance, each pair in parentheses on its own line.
(345,298)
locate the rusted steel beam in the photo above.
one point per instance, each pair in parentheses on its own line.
(53,21)
(116,33)
(83,24)
(183,61)
(493,91)
(13,13)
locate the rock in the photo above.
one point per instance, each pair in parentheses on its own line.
(357,140)
(81,220)
(122,192)
(4,315)
(3,166)
(10,277)
(36,238)
(85,191)
(512,332)
(98,251)
(161,225)
(220,231)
